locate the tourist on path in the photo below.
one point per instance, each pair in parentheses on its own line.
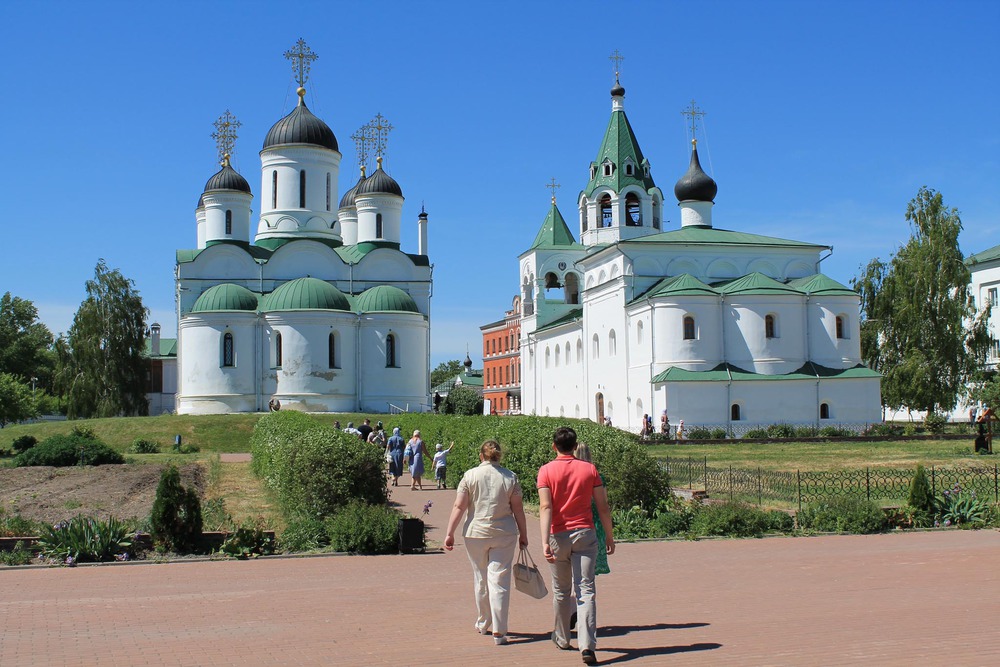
(417,453)
(395,447)
(566,488)
(441,465)
(491,495)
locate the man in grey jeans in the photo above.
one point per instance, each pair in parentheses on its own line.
(566,488)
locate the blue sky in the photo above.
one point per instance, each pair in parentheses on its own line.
(824,119)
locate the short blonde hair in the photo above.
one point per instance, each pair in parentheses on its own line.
(490,451)
(416,433)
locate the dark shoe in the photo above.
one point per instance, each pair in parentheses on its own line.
(588,657)
(572,621)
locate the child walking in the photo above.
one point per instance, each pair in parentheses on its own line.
(441,464)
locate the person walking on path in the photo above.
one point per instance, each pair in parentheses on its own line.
(490,495)
(417,453)
(566,488)
(582,452)
(441,465)
(395,447)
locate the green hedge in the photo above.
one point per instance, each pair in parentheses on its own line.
(68,450)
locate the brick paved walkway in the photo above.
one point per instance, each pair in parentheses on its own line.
(914,599)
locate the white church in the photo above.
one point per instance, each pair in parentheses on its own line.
(720,328)
(316,306)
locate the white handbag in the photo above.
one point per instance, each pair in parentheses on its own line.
(527,578)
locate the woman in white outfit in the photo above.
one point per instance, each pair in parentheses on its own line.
(494,526)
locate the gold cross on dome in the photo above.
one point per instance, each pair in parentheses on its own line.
(694,113)
(616,57)
(225,135)
(378,133)
(361,141)
(302,57)
(553,186)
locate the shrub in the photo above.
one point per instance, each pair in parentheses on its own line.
(85,539)
(780,522)
(17,526)
(732,519)
(249,540)
(719,434)
(934,423)
(886,430)
(781,431)
(463,401)
(843,515)
(214,515)
(17,556)
(672,517)
(631,524)
(69,450)
(24,443)
(960,507)
(304,534)
(699,434)
(805,432)
(143,446)
(175,521)
(921,498)
(362,528)
(834,432)
(757,434)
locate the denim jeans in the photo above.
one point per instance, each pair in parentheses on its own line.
(576,558)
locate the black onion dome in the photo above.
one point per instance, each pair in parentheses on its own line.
(347,201)
(301,127)
(201,202)
(695,185)
(618,90)
(379,183)
(468,362)
(228,179)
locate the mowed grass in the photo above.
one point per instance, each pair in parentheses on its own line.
(817,456)
(246,497)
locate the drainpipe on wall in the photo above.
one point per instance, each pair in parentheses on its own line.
(357,355)
(729,402)
(822,258)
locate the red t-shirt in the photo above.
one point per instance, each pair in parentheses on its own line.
(571,483)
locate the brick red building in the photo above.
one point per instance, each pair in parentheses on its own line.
(502,362)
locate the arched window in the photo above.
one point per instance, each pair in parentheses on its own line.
(277,350)
(612,343)
(328,191)
(656,213)
(628,169)
(558,351)
(302,189)
(506,375)
(824,410)
(769,326)
(548,356)
(229,222)
(633,211)
(390,351)
(840,327)
(572,288)
(734,412)
(378,225)
(638,333)
(596,351)
(607,217)
(274,189)
(688,328)
(609,168)
(583,216)
(568,354)
(332,352)
(228,350)
(579,350)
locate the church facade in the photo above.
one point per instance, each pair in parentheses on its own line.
(719,328)
(314,306)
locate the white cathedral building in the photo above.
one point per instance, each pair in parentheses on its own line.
(720,328)
(317,305)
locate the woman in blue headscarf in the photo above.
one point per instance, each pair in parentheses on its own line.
(394,447)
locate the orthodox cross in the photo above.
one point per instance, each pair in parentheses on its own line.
(553,186)
(225,136)
(378,133)
(616,57)
(361,144)
(301,57)
(694,113)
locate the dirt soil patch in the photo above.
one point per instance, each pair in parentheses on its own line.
(50,494)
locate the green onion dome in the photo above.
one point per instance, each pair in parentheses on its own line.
(225,297)
(306,294)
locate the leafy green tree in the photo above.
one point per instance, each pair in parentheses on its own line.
(463,401)
(446,370)
(175,520)
(102,370)
(16,401)
(920,328)
(25,343)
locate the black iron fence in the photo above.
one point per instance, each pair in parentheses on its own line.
(884,485)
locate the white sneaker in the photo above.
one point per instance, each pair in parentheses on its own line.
(500,640)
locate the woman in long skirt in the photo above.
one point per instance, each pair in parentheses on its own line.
(395,447)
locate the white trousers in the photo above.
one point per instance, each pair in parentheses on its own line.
(492,560)
(576,559)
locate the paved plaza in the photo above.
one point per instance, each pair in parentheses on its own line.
(929,598)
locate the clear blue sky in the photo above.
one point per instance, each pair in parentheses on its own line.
(824,119)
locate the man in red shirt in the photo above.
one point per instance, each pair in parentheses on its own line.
(566,488)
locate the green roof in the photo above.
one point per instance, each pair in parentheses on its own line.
(554,231)
(755,283)
(306,294)
(984,256)
(820,284)
(225,297)
(618,145)
(385,298)
(352,254)
(471,378)
(715,236)
(266,247)
(168,348)
(726,372)
(575,314)
(681,285)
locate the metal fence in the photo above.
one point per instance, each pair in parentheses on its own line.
(734,430)
(886,485)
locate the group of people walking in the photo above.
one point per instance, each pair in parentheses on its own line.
(572,504)
(397,450)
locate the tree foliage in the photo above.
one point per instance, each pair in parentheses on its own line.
(25,343)
(463,401)
(16,401)
(920,328)
(446,370)
(102,370)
